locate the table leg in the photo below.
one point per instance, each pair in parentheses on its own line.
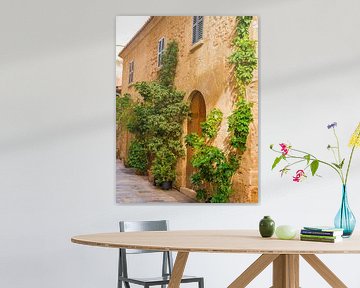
(253,270)
(286,271)
(324,271)
(178,269)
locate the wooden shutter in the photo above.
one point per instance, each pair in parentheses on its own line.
(132,74)
(131,71)
(198,27)
(161,46)
(194,34)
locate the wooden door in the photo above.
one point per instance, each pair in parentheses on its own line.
(198,115)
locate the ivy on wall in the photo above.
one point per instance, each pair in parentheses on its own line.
(169,62)
(214,169)
(159,122)
(156,122)
(124,107)
(138,156)
(245,62)
(239,122)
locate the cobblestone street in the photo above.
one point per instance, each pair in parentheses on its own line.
(132,188)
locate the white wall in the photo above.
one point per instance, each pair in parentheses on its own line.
(57,75)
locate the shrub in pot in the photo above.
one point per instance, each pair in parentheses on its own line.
(163,168)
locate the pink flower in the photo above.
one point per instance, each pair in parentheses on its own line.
(299,175)
(284,148)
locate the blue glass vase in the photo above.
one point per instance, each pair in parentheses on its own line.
(345,219)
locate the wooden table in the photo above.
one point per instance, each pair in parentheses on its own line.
(284,254)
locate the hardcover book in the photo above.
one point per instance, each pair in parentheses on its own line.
(321,233)
(325,240)
(319,237)
(323,228)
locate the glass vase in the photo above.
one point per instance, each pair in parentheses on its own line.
(345,219)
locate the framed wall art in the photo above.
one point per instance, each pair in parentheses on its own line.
(187,109)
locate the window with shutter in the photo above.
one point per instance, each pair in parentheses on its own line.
(161,49)
(198,27)
(131,71)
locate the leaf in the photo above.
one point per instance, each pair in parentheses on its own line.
(342,163)
(336,165)
(339,166)
(284,171)
(276,162)
(314,167)
(307,157)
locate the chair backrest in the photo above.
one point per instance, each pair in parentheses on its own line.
(133,226)
(136,226)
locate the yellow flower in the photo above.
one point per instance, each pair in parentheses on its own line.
(355,138)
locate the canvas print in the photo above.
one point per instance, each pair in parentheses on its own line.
(186,109)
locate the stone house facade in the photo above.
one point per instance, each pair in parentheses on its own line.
(205,75)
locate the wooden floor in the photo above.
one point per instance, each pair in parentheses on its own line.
(132,188)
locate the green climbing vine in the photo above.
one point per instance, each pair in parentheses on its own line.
(167,72)
(124,107)
(214,169)
(157,122)
(239,122)
(211,126)
(137,157)
(245,62)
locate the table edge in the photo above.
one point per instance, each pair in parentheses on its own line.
(203,250)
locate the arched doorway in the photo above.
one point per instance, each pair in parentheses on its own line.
(198,115)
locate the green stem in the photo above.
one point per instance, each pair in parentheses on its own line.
(348,168)
(350,159)
(304,152)
(339,155)
(337,144)
(323,162)
(333,152)
(312,159)
(296,162)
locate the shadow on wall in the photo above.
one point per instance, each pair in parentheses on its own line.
(311,74)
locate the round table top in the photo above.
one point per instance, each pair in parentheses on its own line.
(219,241)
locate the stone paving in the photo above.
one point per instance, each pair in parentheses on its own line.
(132,188)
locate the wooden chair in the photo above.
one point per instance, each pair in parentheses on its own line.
(167,262)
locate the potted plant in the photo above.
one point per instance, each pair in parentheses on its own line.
(309,164)
(163,168)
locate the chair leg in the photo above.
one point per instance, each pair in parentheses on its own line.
(201,283)
(164,266)
(120,273)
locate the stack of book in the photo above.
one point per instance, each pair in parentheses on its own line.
(321,234)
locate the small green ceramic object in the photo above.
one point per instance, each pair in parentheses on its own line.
(267,227)
(285,232)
